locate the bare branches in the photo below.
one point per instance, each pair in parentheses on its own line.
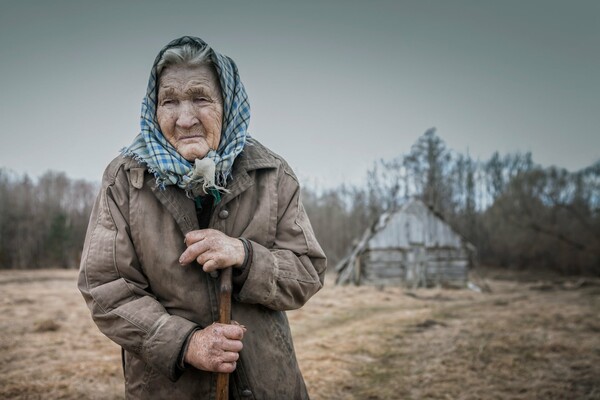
(42,224)
(515,212)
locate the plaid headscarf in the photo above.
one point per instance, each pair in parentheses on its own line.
(162,159)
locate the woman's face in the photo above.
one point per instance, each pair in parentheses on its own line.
(190,109)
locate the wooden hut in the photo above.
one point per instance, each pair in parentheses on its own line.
(411,246)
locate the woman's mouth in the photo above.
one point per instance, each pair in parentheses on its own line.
(190,137)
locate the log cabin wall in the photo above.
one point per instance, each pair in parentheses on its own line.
(415,248)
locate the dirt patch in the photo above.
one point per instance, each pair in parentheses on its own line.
(517,342)
(46,325)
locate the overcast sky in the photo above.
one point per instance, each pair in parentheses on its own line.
(333,85)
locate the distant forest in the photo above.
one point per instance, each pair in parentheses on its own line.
(517,214)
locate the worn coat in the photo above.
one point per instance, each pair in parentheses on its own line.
(143,299)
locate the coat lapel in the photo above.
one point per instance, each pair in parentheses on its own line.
(179,206)
(254,157)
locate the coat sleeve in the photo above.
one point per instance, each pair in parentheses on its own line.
(115,288)
(285,276)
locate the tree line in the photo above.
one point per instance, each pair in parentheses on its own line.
(43,223)
(516,213)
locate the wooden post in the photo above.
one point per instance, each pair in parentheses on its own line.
(225,288)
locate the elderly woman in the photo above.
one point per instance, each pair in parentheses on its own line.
(194,194)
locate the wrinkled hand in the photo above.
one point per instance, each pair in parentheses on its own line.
(213,250)
(215,348)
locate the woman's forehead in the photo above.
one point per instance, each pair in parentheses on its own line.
(185,76)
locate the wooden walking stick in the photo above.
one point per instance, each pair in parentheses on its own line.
(225,288)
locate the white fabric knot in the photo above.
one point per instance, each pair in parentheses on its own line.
(204,172)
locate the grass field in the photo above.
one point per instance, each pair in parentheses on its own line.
(529,338)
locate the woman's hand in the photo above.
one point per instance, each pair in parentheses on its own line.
(215,348)
(213,250)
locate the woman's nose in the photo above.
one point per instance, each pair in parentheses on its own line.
(187,118)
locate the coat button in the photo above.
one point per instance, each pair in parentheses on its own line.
(246,393)
(223,214)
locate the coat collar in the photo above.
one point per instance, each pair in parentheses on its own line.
(254,157)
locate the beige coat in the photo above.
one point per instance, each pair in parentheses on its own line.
(143,299)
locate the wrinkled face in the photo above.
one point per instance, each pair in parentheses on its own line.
(190,109)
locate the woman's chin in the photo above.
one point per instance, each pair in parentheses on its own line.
(193,152)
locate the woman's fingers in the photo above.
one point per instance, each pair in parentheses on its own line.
(232,346)
(233,331)
(226,368)
(229,357)
(193,251)
(215,348)
(212,249)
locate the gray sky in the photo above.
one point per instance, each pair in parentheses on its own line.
(333,85)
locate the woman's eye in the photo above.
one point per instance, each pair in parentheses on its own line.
(167,102)
(200,99)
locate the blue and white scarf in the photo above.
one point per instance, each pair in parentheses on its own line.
(162,159)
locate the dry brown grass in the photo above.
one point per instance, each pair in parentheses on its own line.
(525,340)
(70,361)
